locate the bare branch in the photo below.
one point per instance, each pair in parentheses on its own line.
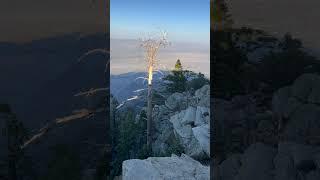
(104,51)
(91,92)
(77,114)
(152,46)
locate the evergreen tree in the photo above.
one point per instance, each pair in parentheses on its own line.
(291,59)
(196,83)
(126,134)
(177,79)
(178,66)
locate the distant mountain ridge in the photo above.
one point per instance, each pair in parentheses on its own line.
(124,86)
(39,79)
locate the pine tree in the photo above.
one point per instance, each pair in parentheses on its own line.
(178,66)
(178,81)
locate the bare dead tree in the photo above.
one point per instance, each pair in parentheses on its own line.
(151,46)
(76,114)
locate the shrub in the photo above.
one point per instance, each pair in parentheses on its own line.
(197,82)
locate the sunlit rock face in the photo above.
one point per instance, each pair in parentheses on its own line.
(165,168)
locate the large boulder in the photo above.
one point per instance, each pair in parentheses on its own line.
(163,129)
(184,119)
(297,108)
(202,116)
(304,124)
(165,168)
(185,135)
(284,167)
(257,163)
(229,168)
(203,96)
(284,162)
(202,135)
(302,156)
(177,101)
(283,104)
(306,88)
(189,115)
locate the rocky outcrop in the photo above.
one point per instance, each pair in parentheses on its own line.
(185,119)
(164,168)
(193,134)
(277,144)
(298,110)
(256,153)
(260,161)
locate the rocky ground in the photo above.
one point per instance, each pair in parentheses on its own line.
(182,124)
(166,168)
(279,143)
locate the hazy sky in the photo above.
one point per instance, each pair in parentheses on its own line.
(127,56)
(25,20)
(186,21)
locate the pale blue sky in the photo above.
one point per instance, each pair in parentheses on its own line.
(185,20)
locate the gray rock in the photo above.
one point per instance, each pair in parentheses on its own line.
(163,129)
(203,96)
(176,119)
(303,156)
(203,91)
(176,101)
(185,136)
(313,175)
(266,131)
(164,168)
(284,162)
(229,168)
(280,100)
(314,96)
(303,124)
(257,163)
(189,115)
(202,134)
(202,116)
(304,85)
(284,167)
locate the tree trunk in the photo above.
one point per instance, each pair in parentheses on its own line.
(149,116)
